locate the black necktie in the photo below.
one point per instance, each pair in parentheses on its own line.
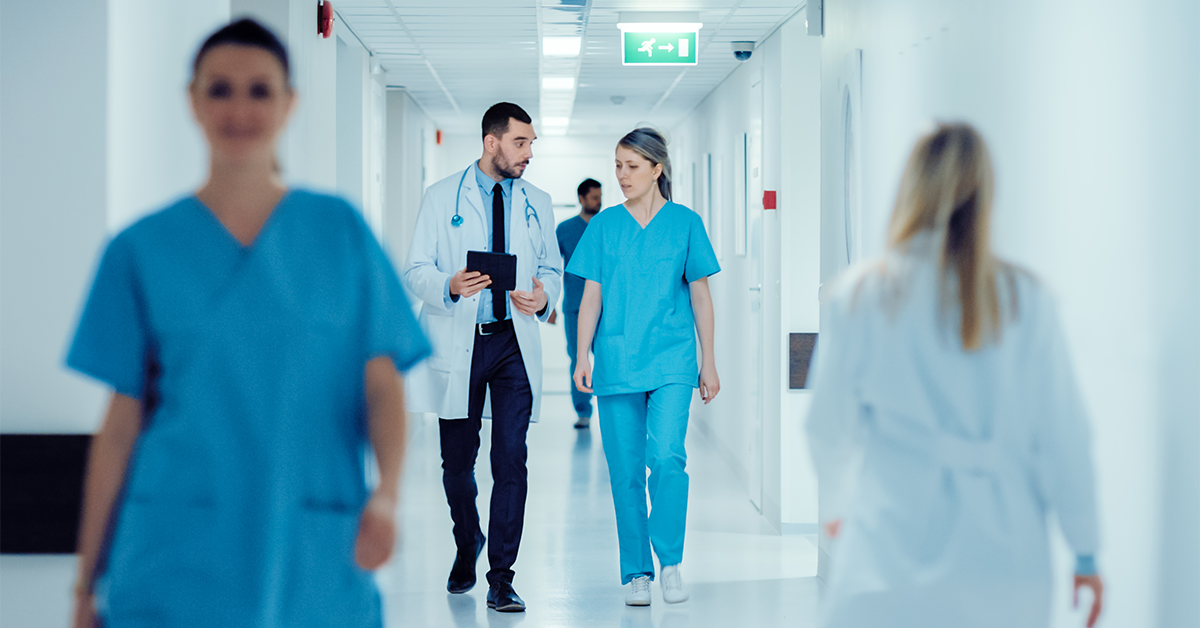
(499,307)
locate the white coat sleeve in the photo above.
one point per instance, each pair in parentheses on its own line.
(835,425)
(550,270)
(1063,442)
(421,273)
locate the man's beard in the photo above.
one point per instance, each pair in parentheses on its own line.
(504,168)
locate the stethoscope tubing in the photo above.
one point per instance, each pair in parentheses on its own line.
(530,211)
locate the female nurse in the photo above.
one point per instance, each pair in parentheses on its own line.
(647,264)
(251,335)
(945,422)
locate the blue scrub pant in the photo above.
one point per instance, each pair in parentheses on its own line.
(581,400)
(639,430)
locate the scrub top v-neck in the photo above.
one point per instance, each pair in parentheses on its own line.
(645,337)
(244,489)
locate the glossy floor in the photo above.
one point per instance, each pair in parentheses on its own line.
(739,572)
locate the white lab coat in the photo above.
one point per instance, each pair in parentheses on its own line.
(439,249)
(943,464)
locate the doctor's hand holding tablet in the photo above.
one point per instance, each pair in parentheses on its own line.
(468,283)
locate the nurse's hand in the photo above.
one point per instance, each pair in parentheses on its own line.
(583,374)
(376,532)
(529,303)
(710,383)
(468,284)
(1094,583)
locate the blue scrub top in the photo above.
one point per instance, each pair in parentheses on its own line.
(569,232)
(244,489)
(646,337)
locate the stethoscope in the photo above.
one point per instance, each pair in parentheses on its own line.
(532,222)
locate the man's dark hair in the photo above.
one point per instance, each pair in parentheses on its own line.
(245,32)
(587,186)
(495,121)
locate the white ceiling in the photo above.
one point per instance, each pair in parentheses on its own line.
(458,57)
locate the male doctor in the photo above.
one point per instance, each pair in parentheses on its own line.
(487,353)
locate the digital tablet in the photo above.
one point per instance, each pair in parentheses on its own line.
(501,267)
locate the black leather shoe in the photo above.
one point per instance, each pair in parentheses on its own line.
(502,598)
(462,574)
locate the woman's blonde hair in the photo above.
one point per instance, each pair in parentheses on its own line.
(946,191)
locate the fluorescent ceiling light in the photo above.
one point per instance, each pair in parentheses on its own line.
(670,22)
(561,46)
(558,82)
(660,27)
(555,121)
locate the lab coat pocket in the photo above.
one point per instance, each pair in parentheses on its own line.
(327,587)
(611,364)
(440,331)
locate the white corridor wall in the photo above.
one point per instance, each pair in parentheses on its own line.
(786,67)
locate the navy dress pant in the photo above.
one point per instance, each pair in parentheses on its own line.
(496,365)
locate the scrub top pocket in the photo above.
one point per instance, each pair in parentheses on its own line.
(611,364)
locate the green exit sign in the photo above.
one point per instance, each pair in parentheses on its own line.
(660,48)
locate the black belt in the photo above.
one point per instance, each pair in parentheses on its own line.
(487,329)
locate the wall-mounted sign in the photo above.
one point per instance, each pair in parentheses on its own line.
(660,48)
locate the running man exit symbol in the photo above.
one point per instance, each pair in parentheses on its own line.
(672,48)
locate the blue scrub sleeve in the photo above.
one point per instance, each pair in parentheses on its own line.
(585,261)
(701,260)
(111,342)
(391,328)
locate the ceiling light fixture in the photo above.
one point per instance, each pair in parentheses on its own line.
(561,46)
(668,22)
(558,82)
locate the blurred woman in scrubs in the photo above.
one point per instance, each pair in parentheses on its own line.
(647,264)
(945,422)
(251,334)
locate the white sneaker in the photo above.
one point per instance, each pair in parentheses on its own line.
(639,592)
(672,585)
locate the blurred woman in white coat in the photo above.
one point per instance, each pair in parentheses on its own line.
(946,423)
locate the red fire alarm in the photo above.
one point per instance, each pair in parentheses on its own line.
(769,199)
(325,19)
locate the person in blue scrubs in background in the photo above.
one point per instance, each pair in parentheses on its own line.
(251,334)
(569,233)
(646,264)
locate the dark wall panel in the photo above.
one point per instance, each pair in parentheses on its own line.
(800,352)
(41,484)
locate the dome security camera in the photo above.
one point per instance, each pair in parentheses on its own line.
(742,50)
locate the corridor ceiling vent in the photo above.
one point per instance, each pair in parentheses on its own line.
(659,38)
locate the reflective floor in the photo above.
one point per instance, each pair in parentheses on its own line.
(739,572)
